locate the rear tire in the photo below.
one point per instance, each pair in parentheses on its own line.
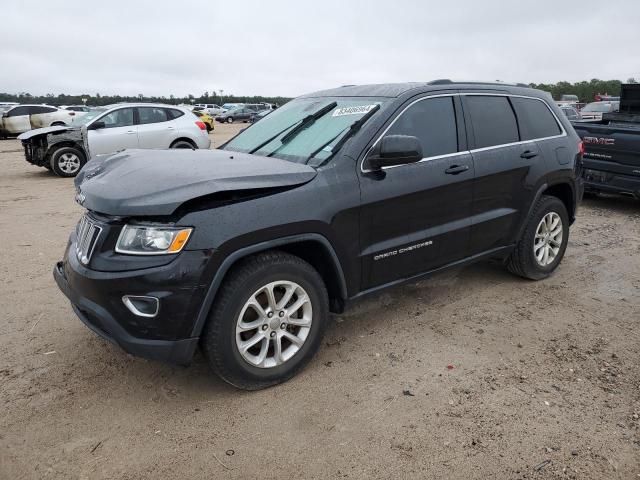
(544,240)
(229,119)
(182,144)
(233,321)
(67,161)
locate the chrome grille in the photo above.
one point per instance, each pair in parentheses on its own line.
(87,234)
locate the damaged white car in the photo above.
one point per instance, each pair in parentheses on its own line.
(22,118)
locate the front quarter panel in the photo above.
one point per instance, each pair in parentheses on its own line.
(328,205)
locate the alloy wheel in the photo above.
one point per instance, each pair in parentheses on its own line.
(548,239)
(274,324)
(69,163)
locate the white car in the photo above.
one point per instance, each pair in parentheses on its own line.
(22,118)
(594,110)
(210,108)
(110,129)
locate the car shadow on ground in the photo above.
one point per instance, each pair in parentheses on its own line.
(620,203)
(197,380)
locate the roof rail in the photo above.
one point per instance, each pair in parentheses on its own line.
(446,81)
(440,81)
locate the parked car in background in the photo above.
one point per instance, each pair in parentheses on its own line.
(228,106)
(570,112)
(236,114)
(110,129)
(205,118)
(76,108)
(259,116)
(336,195)
(22,118)
(612,147)
(594,110)
(210,108)
(569,98)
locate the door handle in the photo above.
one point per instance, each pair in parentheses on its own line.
(170,128)
(456,169)
(130,132)
(528,154)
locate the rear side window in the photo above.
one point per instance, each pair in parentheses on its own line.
(152,115)
(172,113)
(16,112)
(535,119)
(493,120)
(433,122)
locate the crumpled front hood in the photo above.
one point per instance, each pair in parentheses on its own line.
(157,182)
(44,131)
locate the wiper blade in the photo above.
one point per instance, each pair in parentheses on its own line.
(306,121)
(355,126)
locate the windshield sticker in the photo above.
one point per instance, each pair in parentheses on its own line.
(357,110)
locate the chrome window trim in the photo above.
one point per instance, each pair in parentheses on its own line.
(464,152)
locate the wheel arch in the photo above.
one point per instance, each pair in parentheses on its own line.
(184,139)
(314,248)
(563,190)
(64,144)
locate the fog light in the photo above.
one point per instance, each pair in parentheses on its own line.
(142,306)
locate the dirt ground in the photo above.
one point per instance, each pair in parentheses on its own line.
(471,374)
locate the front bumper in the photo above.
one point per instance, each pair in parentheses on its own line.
(96,297)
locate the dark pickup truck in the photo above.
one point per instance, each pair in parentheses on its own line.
(612,147)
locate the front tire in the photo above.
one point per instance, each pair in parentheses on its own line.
(67,161)
(544,240)
(267,322)
(229,119)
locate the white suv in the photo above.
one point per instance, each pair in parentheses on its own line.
(110,129)
(22,118)
(143,125)
(210,108)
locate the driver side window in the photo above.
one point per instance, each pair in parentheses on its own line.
(118,118)
(433,122)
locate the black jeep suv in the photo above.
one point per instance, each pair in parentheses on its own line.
(245,250)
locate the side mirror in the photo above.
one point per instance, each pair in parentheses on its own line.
(96,126)
(396,150)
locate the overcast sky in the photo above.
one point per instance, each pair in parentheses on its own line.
(246,47)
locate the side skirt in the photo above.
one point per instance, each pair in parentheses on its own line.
(496,252)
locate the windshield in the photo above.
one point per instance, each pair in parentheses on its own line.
(597,107)
(90,115)
(324,133)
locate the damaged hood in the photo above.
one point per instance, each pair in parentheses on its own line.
(157,182)
(44,131)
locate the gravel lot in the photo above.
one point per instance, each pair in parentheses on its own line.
(472,374)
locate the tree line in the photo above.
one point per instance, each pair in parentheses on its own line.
(99,100)
(585,90)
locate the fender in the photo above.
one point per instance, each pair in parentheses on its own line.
(259,247)
(543,188)
(525,219)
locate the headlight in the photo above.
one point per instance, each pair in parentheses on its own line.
(148,240)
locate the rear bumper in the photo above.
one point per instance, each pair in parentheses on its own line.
(103,318)
(602,181)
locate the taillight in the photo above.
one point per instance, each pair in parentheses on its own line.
(201,125)
(581,148)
